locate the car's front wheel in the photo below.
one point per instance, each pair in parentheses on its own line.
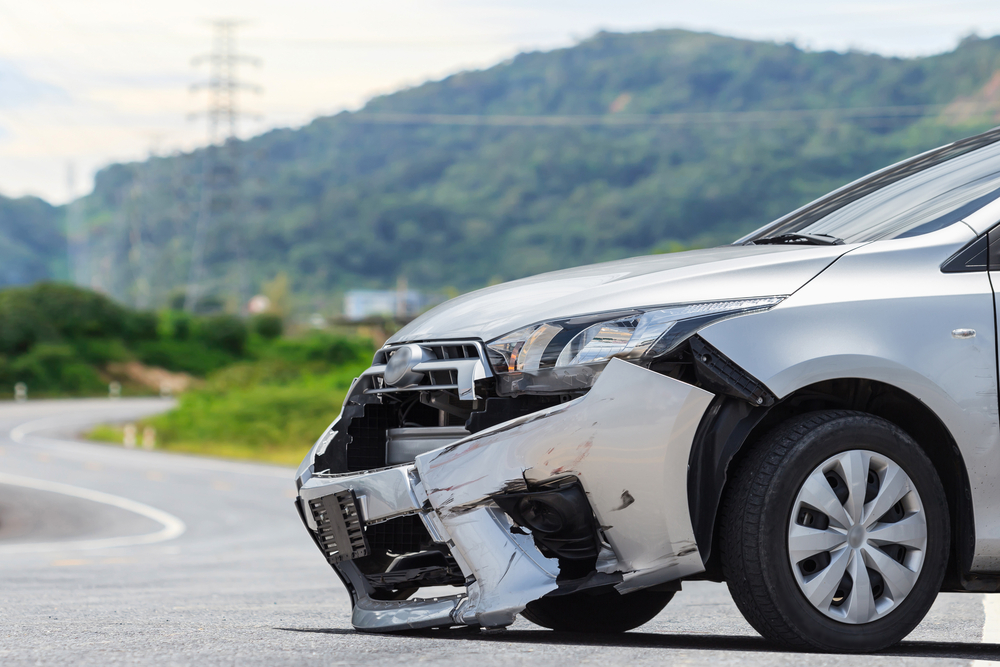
(834,534)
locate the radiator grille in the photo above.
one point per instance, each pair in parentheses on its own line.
(456,350)
(441,352)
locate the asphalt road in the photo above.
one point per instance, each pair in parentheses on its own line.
(111,556)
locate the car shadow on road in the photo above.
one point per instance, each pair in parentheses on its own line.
(923,649)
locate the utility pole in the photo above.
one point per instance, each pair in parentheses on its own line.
(220,200)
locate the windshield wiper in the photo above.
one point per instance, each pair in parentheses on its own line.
(810,239)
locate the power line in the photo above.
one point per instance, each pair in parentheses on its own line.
(220,163)
(434,43)
(762,117)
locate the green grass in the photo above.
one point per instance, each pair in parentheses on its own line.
(267,411)
(107,433)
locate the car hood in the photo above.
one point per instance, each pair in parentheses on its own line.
(726,272)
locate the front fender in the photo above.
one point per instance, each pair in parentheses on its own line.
(886,312)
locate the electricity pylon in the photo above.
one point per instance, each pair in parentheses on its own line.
(220,200)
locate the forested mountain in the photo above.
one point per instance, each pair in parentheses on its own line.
(621,145)
(32,243)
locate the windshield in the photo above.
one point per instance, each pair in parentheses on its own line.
(921,195)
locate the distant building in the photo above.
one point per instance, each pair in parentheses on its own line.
(259,304)
(360,304)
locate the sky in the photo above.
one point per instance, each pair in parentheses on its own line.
(85,84)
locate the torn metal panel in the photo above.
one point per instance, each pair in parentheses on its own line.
(508,570)
(381,494)
(628,438)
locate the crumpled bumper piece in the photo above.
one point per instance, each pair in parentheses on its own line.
(508,570)
(381,615)
(381,494)
(627,441)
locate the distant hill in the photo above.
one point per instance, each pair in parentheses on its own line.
(32,242)
(404,188)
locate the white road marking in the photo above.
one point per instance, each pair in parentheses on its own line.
(991,626)
(172,526)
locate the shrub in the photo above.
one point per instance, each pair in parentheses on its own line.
(21,323)
(101,350)
(140,326)
(223,332)
(75,312)
(174,324)
(49,313)
(323,348)
(268,326)
(54,368)
(189,356)
(249,374)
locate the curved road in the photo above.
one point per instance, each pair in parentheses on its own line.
(112,556)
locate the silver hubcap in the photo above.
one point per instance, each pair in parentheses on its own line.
(857,536)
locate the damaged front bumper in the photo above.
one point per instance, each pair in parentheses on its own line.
(602,477)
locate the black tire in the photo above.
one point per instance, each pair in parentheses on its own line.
(605,612)
(757,510)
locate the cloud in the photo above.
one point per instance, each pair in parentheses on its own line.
(18,90)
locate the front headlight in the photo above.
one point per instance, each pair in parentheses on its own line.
(568,354)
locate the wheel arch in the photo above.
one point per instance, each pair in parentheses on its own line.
(731,426)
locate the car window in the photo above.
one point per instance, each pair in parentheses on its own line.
(922,201)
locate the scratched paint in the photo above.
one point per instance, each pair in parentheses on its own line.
(635,447)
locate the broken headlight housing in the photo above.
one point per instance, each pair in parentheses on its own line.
(568,354)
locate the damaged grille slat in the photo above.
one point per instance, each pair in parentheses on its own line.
(339,531)
(452,365)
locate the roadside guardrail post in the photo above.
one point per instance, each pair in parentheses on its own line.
(128,439)
(148,437)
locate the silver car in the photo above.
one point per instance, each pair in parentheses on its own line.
(809,414)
